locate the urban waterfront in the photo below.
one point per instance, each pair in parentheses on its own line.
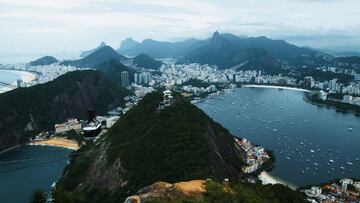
(312,144)
(20,179)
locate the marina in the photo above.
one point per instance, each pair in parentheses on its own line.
(311,144)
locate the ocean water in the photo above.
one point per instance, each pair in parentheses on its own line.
(19,180)
(8,77)
(312,144)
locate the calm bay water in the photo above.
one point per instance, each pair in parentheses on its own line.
(19,180)
(312,144)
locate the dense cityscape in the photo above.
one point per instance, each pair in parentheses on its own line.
(180,101)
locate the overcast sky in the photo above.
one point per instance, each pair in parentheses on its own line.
(48,26)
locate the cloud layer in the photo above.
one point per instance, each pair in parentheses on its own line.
(68,25)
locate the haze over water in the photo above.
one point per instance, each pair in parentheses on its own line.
(304,137)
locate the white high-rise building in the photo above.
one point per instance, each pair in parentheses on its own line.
(136,78)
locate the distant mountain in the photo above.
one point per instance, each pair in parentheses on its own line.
(46,60)
(113,68)
(102,55)
(347,54)
(279,49)
(26,111)
(178,143)
(340,53)
(145,61)
(128,45)
(349,60)
(158,49)
(225,54)
(87,53)
(191,51)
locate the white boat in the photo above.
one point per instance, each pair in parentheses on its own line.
(288,158)
(350,129)
(312,151)
(316,164)
(332,161)
(342,167)
(349,163)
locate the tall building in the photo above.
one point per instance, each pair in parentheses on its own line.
(309,81)
(136,78)
(333,84)
(146,77)
(125,78)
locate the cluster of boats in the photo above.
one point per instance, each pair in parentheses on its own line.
(311,158)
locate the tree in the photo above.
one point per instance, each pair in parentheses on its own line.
(38,196)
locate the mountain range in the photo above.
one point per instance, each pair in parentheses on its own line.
(230,51)
(104,55)
(224,50)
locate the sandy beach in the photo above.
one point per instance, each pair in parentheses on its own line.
(24,75)
(276,87)
(58,142)
(266,178)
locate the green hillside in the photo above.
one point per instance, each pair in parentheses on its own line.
(29,110)
(178,143)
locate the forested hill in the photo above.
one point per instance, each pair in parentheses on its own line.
(178,143)
(25,111)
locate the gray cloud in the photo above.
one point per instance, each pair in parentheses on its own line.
(67,25)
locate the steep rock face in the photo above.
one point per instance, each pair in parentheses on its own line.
(37,108)
(178,143)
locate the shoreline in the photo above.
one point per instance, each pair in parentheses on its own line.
(266,179)
(276,87)
(57,142)
(25,76)
(329,106)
